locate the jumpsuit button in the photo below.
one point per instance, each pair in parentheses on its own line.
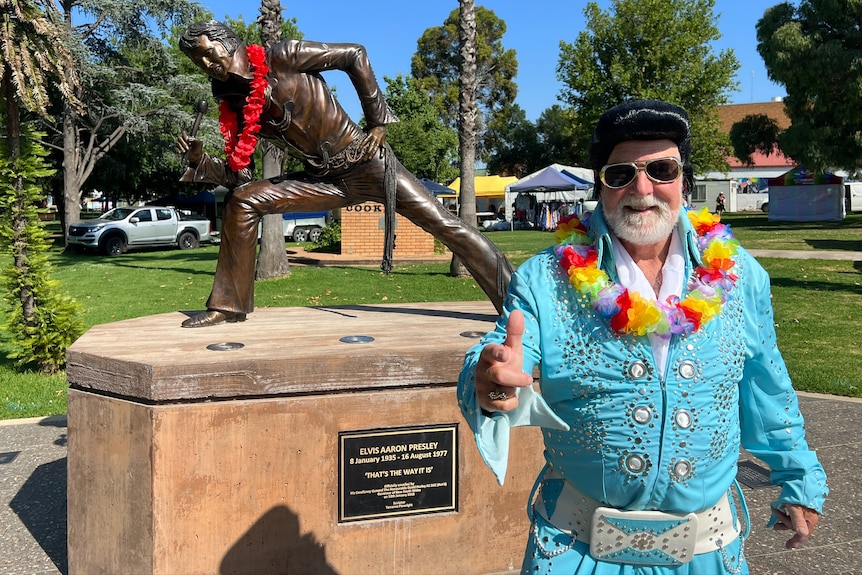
(682,468)
(642,414)
(683,418)
(637,369)
(687,370)
(635,463)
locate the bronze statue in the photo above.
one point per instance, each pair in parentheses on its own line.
(279,94)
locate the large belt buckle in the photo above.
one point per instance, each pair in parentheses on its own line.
(642,537)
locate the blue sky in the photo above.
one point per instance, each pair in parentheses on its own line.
(389,30)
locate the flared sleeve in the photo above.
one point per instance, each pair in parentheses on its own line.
(492,429)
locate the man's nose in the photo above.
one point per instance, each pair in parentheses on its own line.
(643,186)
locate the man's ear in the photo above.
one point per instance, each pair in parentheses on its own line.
(597,185)
(687,179)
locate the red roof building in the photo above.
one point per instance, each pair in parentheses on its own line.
(763,166)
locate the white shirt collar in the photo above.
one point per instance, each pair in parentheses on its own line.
(673,276)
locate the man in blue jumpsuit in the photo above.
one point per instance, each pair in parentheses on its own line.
(653,334)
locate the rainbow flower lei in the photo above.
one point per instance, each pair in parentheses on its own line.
(239,147)
(630,313)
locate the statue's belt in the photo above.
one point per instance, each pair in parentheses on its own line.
(343,160)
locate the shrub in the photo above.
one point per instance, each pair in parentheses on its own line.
(43,321)
(330,238)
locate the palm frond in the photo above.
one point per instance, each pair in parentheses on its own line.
(34,53)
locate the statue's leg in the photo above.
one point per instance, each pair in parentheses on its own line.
(485,262)
(232,295)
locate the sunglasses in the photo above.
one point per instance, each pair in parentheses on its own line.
(660,170)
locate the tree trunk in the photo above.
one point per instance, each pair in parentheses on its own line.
(71,188)
(71,185)
(272,261)
(467,111)
(18,241)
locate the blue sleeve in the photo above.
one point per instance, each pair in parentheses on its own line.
(492,430)
(772,424)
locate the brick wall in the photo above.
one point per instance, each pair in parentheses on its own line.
(362,233)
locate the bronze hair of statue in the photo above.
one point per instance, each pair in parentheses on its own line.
(343,165)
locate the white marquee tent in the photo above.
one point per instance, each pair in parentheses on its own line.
(556,182)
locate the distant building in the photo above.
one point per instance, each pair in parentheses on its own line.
(753,178)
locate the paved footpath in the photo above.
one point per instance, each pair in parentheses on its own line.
(808,255)
(33,496)
(33,482)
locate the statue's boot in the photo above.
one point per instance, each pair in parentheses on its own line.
(213,317)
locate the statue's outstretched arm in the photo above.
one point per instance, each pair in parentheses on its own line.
(352,59)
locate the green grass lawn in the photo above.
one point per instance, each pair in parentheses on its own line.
(818,303)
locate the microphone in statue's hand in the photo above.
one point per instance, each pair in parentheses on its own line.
(184,145)
(202,110)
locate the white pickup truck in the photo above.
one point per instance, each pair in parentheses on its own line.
(120,229)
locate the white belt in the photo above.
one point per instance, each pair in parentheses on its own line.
(649,537)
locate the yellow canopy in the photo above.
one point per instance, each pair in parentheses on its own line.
(486,186)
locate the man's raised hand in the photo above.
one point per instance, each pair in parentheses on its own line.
(500,369)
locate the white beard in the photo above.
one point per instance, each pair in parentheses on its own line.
(642,227)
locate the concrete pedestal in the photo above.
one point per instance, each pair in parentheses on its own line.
(189,459)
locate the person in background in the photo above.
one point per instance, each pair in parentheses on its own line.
(653,336)
(719,204)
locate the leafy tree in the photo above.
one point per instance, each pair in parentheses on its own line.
(141,166)
(650,49)
(814,49)
(521,148)
(43,321)
(556,135)
(754,133)
(436,65)
(122,95)
(420,140)
(517,149)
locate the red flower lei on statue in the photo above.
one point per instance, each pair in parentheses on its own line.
(240,146)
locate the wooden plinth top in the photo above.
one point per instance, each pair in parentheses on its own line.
(285,351)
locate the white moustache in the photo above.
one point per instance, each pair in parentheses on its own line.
(641,202)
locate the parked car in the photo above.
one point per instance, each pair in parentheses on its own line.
(301,226)
(124,228)
(304,226)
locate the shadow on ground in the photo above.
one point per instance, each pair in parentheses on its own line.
(41,506)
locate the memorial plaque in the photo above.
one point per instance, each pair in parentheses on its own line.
(8,457)
(398,471)
(753,475)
